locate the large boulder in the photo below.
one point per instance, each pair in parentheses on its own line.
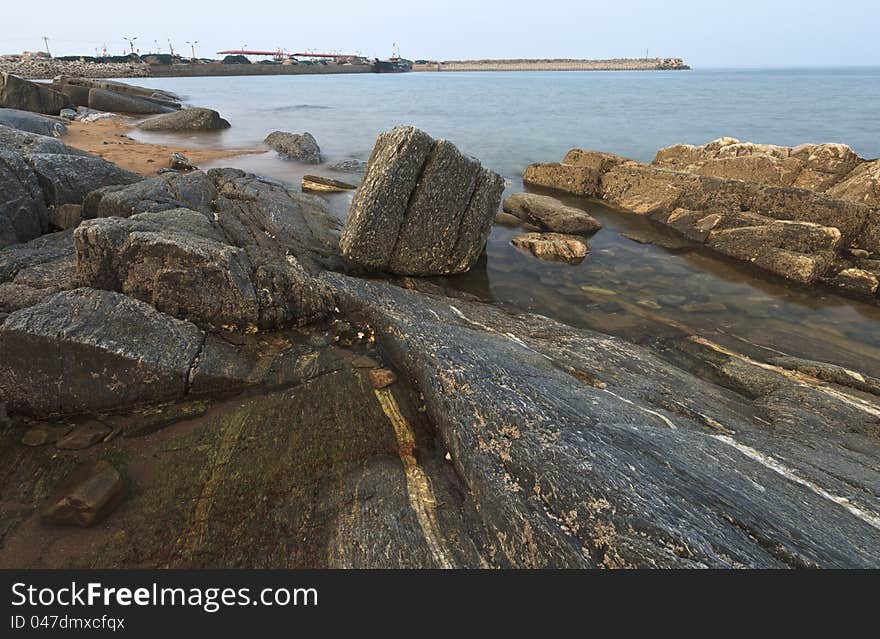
(68,179)
(23,213)
(301,147)
(423,208)
(27,143)
(90,350)
(186,120)
(550,214)
(32,123)
(105,100)
(16,93)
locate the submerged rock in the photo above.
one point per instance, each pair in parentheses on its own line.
(553,247)
(550,214)
(194,119)
(423,208)
(16,93)
(87,496)
(301,147)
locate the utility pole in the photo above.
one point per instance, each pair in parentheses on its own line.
(130,42)
(46,41)
(192,46)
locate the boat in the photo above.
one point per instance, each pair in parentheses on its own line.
(394,64)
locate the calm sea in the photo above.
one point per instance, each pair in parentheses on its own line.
(509,120)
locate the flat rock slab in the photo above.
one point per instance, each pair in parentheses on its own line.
(87,496)
(423,208)
(551,214)
(583,450)
(112,101)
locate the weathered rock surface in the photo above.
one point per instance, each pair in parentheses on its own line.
(68,179)
(43,250)
(301,147)
(105,100)
(422,209)
(90,493)
(32,123)
(320,184)
(550,214)
(583,450)
(23,214)
(195,119)
(65,216)
(28,143)
(95,350)
(727,196)
(348,166)
(553,247)
(16,93)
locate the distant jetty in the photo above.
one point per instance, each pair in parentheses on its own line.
(615,64)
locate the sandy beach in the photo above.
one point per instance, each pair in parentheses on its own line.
(109,140)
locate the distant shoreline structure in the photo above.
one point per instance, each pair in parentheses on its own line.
(559,64)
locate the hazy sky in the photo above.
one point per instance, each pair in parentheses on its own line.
(704,33)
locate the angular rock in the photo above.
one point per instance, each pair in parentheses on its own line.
(798,251)
(87,496)
(77,95)
(44,249)
(84,436)
(862,184)
(23,214)
(193,191)
(856,280)
(550,214)
(195,119)
(553,247)
(578,173)
(68,179)
(301,147)
(381,378)
(508,220)
(95,350)
(32,123)
(66,216)
(319,184)
(104,100)
(348,166)
(16,93)
(422,209)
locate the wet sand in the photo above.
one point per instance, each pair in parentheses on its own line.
(108,139)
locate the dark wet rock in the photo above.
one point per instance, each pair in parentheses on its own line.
(553,247)
(28,143)
(23,214)
(301,147)
(48,248)
(381,378)
(319,184)
(195,119)
(348,166)
(68,114)
(14,296)
(4,418)
(550,214)
(104,100)
(830,373)
(193,191)
(16,93)
(68,179)
(583,450)
(95,350)
(84,436)
(65,216)
(180,162)
(77,95)
(423,208)
(32,123)
(149,420)
(87,496)
(362,361)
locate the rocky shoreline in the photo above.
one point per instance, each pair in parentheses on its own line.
(209,369)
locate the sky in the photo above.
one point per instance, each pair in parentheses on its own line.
(744,33)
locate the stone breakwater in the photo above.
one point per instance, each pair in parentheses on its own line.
(810,213)
(39,68)
(615,64)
